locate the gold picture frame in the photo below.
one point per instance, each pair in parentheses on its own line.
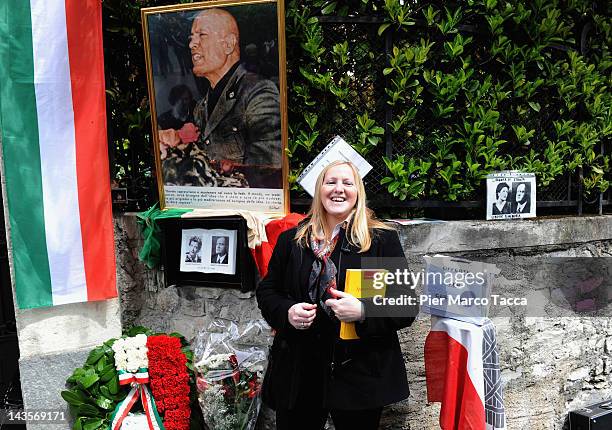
(218,95)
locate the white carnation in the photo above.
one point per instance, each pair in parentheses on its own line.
(118,345)
(140,340)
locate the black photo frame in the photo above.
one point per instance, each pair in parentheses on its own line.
(245,276)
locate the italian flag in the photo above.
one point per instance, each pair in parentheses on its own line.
(55,156)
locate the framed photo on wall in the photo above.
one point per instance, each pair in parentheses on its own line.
(217,87)
(207,252)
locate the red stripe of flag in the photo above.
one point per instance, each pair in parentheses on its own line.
(449,382)
(84,28)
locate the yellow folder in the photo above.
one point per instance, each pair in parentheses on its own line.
(352,286)
(358,283)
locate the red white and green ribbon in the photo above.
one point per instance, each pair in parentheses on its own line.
(139,391)
(55,153)
(140,377)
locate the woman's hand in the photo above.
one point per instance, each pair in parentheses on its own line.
(301,315)
(346,307)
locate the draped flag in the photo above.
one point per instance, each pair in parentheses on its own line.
(462,373)
(53,132)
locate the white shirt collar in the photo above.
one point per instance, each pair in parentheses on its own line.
(341,224)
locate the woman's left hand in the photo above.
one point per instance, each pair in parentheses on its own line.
(346,307)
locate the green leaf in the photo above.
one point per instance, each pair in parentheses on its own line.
(95,355)
(101,364)
(88,411)
(105,391)
(329,8)
(113,385)
(77,424)
(93,424)
(104,403)
(73,397)
(88,380)
(383,27)
(108,373)
(535,106)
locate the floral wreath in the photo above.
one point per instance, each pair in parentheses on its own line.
(141,370)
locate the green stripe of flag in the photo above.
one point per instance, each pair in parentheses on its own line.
(22,166)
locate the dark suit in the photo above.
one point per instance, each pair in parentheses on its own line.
(525,209)
(213,259)
(245,125)
(314,368)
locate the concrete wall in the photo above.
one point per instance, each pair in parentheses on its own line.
(550,365)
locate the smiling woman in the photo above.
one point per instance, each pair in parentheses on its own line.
(314,373)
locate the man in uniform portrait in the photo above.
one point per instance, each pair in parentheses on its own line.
(239,116)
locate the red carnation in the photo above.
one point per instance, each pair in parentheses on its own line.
(169,380)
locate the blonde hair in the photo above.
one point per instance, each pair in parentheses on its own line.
(360,226)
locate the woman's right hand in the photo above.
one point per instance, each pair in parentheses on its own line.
(301,315)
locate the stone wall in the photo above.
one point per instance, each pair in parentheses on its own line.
(550,365)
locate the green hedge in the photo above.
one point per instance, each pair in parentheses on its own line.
(466,89)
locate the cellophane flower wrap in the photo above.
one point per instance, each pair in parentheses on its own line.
(230,364)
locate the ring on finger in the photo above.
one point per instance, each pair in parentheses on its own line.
(303,324)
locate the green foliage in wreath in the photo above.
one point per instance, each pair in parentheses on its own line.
(94,389)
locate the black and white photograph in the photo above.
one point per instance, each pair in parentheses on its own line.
(220,247)
(521,193)
(511,195)
(208,251)
(194,250)
(216,74)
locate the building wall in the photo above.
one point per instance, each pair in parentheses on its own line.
(550,364)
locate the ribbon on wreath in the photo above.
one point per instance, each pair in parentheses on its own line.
(139,381)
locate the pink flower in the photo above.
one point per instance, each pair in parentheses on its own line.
(201,384)
(189,133)
(169,137)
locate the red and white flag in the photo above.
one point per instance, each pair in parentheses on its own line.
(462,372)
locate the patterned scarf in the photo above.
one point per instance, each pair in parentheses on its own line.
(323,273)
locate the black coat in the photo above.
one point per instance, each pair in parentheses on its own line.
(314,368)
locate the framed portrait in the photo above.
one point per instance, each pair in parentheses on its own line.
(208,252)
(217,87)
(511,195)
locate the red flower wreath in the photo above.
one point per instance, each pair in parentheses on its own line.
(169,380)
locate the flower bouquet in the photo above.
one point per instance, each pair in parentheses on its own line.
(229,371)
